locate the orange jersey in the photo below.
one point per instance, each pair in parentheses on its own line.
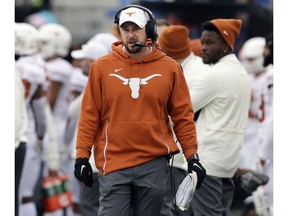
(125,110)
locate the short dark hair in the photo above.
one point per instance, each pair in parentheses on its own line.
(209,26)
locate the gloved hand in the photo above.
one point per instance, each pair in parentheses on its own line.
(83,171)
(196,166)
(251,180)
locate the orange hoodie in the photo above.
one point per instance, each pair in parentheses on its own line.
(125,110)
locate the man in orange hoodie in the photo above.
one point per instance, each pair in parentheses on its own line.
(129,95)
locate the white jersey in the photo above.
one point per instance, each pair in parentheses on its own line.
(31,69)
(21,115)
(256,115)
(78,81)
(33,75)
(258,83)
(262,99)
(267,94)
(265,135)
(77,86)
(60,70)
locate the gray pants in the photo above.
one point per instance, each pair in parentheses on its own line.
(167,206)
(214,198)
(89,199)
(135,191)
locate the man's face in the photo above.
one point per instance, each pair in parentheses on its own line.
(131,33)
(212,48)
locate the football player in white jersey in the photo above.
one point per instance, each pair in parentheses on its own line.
(251,55)
(30,66)
(265,149)
(56,42)
(77,85)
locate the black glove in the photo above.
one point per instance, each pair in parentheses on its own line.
(196,166)
(251,180)
(83,171)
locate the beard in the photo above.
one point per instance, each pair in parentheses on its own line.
(132,49)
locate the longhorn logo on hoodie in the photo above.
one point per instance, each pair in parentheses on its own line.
(134,83)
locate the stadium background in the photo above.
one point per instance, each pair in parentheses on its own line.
(86,18)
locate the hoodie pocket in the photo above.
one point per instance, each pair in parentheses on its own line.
(141,138)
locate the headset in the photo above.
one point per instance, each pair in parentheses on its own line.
(151,26)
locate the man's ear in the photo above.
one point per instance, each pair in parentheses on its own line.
(226,49)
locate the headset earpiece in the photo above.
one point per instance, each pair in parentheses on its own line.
(151,27)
